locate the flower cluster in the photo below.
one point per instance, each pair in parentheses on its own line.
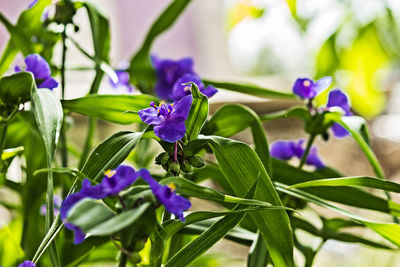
(112,184)
(168,119)
(41,71)
(306,88)
(286,150)
(172,76)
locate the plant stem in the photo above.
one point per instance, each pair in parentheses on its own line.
(310,141)
(63,139)
(3,135)
(176,152)
(122,260)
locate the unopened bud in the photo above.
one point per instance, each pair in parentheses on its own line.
(196,161)
(162,158)
(186,167)
(134,257)
(174,167)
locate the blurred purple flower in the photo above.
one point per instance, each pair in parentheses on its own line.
(285,150)
(57,204)
(27,264)
(171,74)
(40,69)
(172,202)
(168,119)
(33,3)
(339,99)
(114,181)
(123,81)
(308,89)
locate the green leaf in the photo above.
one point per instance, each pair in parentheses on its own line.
(364,181)
(110,153)
(292,6)
(295,112)
(389,231)
(141,72)
(231,119)
(241,167)
(11,152)
(258,254)
(16,89)
(211,236)
(198,113)
(121,109)
(98,220)
(17,36)
(249,89)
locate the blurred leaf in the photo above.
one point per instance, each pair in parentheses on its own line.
(241,167)
(122,109)
(249,89)
(295,112)
(98,220)
(231,119)
(198,113)
(258,254)
(211,236)
(389,231)
(16,89)
(11,152)
(292,6)
(364,181)
(17,36)
(327,60)
(141,72)
(10,250)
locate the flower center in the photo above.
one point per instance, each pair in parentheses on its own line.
(162,109)
(306,83)
(110,173)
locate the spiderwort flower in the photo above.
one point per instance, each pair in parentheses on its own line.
(172,74)
(306,88)
(168,119)
(339,99)
(172,202)
(40,69)
(123,81)
(27,264)
(285,150)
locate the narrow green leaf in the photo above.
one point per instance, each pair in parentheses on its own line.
(141,71)
(389,231)
(110,153)
(114,108)
(258,254)
(198,113)
(16,88)
(364,181)
(249,89)
(241,167)
(295,112)
(17,36)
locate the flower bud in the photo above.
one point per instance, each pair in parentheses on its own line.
(162,158)
(196,161)
(186,167)
(139,245)
(174,167)
(135,258)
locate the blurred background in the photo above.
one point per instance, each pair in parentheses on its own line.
(270,43)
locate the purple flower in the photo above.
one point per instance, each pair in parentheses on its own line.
(308,89)
(117,180)
(40,69)
(338,99)
(172,202)
(168,119)
(27,264)
(123,81)
(57,204)
(171,74)
(33,3)
(285,150)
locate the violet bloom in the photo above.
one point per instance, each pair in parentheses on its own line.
(40,69)
(181,88)
(168,119)
(57,204)
(27,264)
(308,89)
(172,74)
(172,202)
(285,150)
(123,81)
(117,180)
(338,99)
(33,3)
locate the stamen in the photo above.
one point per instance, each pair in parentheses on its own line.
(110,173)
(306,83)
(172,186)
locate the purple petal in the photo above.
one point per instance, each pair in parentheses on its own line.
(339,99)
(38,66)
(171,130)
(78,233)
(282,150)
(32,3)
(322,84)
(339,131)
(303,88)
(209,91)
(150,116)
(313,159)
(180,110)
(179,90)
(297,148)
(123,81)
(17,69)
(124,176)
(49,83)
(27,264)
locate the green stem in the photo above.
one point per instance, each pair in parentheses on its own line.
(3,135)
(310,141)
(122,260)
(88,142)
(63,139)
